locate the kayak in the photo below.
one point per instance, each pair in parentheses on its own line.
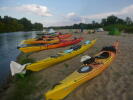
(61,56)
(46,39)
(92,66)
(62,36)
(51,46)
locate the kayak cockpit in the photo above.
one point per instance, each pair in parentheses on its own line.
(103,55)
(85,69)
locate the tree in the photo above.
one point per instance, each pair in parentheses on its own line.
(128,21)
(26,23)
(37,26)
(9,24)
(112,19)
(104,21)
(2,26)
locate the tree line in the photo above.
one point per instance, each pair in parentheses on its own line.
(106,23)
(10,24)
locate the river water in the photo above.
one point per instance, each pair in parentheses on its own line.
(9,51)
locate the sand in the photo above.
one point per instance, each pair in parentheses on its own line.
(115,83)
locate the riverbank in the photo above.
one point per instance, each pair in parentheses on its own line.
(114,83)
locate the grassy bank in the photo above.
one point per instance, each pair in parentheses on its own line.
(20,86)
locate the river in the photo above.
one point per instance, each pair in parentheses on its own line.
(9,51)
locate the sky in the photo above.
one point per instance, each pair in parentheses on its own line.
(65,12)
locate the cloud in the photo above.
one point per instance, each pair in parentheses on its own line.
(71,14)
(31,8)
(72,17)
(127,11)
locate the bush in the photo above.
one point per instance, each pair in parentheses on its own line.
(120,27)
(114,31)
(23,59)
(129,29)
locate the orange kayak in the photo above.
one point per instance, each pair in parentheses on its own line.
(92,67)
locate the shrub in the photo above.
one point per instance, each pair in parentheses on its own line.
(23,59)
(129,29)
(114,31)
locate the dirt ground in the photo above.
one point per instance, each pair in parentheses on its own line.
(115,83)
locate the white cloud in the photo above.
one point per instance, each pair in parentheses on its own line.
(127,11)
(71,14)
(31,8)
(72,17)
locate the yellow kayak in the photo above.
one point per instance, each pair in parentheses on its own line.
(90,69)
(59,57)
(45,41)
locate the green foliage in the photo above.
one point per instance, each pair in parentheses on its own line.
(129,29)
(23,87)
(37,26)
(26,23)
(9,24)
(118,26)
(112,20)
(114,31)
(23,59)
(66,65)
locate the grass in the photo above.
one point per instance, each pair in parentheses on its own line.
(23,87)
(24,58)
(115,31)
(66,65)
(29,86)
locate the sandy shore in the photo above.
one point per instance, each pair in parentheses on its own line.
(115,83)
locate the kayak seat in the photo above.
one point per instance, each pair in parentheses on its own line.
(68,51)
(104,55)
(85,69)
(89,61)
(49,39)
(74,38)
(87,42)
(75,47)
(39,39)
(109,48)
